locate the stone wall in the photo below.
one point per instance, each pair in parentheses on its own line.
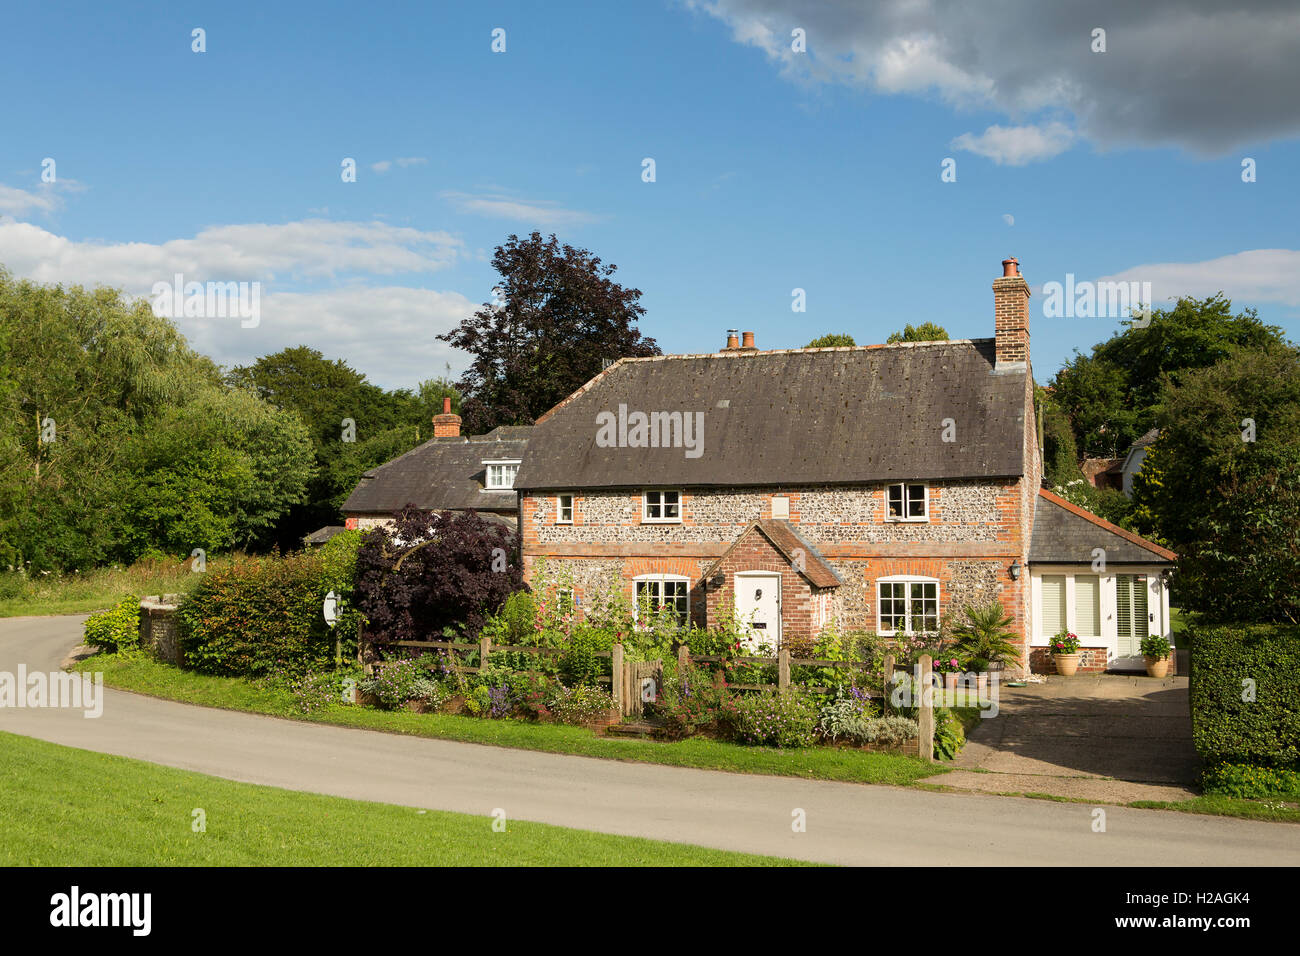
(159,629)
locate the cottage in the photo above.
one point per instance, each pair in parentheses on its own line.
(448,473)
(875,487)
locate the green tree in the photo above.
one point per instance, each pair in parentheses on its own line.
(831,340)
(925,332)
(1222,484)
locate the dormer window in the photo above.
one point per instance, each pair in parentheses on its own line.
(907,502)
(501,474)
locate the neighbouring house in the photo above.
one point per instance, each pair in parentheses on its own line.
(1103,472)
(1132,464)
(875,487)
(322,536)
(450,472)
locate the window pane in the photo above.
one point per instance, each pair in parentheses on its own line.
(895,509)
(916,501)
(1053,604)
(1087,605)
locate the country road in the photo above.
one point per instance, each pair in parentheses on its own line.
(846,823)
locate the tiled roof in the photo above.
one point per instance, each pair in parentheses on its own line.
(442,474)
(791,546)
(784,417)
(1064,533)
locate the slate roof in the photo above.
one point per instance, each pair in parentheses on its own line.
(322,535)
(1064,533)
(787,542)
(442,474)
(790,416)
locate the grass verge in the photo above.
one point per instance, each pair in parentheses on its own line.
(1221,806)
(59,803)
(146,675)
(76,592)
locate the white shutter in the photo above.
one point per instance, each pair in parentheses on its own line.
(1053,604)
(1087,605)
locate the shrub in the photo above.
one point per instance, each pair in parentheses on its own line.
(338,574)
(774,719)
(579,705)
(688,702)
(116,629)
(888,731)
(1245,694)
(845,715)
(396,682)
(451,569)
(1244,780)
(313,690)
(255,617)
(984,637)
(949,734)
(579,663)
(1153,645)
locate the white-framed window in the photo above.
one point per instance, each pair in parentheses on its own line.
(564,509)
(907,605)
(661,506)
(907,501)
(664,590)
(1053,604)
(501,474)
(1087,605)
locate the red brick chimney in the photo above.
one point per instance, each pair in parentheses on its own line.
(1011,315)
(446,425)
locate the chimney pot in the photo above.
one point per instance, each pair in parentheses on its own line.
(1010,267)
(446,404)
(748,341)
(733,338)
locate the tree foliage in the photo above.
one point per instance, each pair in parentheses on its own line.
(831,340)
(432,570)
(561,317)
(925,332)
(1222,484)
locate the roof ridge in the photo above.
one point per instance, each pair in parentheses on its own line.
(1127,535)
(748,353)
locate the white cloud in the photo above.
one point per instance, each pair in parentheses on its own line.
(1255,275)
(46,198)
(384,165)
(309,248)
(539,212)
(1017,145)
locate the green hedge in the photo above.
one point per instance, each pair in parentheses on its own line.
(1246,780)
(116,629)
(1225,727)
(259,617)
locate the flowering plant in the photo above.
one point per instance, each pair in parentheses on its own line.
(946,665)
(1065,643)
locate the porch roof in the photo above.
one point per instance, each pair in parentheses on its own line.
(787,541)
(1064,533)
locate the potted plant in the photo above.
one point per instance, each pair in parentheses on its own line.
(1155,651)
(984,640)
(1065,653)
(948,667)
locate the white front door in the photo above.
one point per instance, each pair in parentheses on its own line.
(758,607)
(1132,616)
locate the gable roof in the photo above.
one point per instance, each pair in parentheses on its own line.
(442,474)
(1064,533)
(789,416)
(788,542)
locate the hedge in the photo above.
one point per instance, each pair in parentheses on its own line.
(116,629)
(1226,728)
(257,617)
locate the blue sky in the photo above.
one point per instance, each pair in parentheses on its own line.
(775,169)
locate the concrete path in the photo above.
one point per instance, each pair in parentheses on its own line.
(846,823)
(1107,737)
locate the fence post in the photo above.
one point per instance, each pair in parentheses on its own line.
(783,670)
(925,712)
(888,671)
(616,678)
(683,658)
(484,649)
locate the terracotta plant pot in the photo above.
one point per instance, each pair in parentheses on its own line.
(1066,664)
(1157,666)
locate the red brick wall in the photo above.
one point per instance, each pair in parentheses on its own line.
(755,553)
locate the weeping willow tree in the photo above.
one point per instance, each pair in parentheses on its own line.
(88,383)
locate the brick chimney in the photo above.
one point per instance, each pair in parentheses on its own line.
(1011,316)
(446,425)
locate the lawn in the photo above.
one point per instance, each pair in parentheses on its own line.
(146,675)
(75,592)
(68,807)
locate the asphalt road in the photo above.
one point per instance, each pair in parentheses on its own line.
(846,823)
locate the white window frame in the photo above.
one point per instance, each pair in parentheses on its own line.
(907,579)
(501,463)
(660,579)
(645,505)
(925,501)
(559,507)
